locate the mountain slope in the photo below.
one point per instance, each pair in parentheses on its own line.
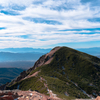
(67,72)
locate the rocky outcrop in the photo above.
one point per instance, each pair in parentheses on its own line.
(8,95)
(24,95)
(39,62)
(45,59)
(22,75)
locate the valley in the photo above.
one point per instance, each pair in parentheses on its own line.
(8,74)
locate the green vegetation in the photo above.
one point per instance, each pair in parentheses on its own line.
(75,66)
(64,87)
(69,73)
(32,83)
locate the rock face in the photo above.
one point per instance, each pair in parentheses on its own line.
(22,75)
(8,95)
(46,59)
(24,95)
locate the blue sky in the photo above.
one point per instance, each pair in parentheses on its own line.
(49,23)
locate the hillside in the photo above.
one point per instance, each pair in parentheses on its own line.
(7,74)
(65,71)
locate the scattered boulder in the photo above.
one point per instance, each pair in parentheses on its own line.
(4,95)
(7,98)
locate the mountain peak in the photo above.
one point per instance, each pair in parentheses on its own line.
(65,71)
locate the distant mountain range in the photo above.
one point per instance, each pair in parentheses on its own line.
(92,51)
(25,50)
(64,71)
(19,57)
(7,56)
(17,64)
(22,54)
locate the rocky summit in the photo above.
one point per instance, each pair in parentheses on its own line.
(62,73)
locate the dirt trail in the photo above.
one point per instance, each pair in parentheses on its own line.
(52,95)
(29,76)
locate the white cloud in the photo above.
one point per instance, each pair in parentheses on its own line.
(73,16)
(18,2)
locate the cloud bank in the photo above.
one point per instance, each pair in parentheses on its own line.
(44,23)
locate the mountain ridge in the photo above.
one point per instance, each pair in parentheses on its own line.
(70,73)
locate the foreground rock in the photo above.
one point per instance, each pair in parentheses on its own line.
(24,95)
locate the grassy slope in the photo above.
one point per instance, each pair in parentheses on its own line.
(32,83)
(70,66)
(75,66)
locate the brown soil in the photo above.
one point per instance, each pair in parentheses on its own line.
(34,74)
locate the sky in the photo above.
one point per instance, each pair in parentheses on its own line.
(49,23)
